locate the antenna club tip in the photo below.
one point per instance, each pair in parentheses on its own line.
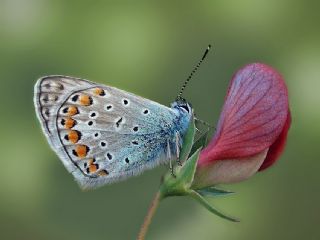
(209,46)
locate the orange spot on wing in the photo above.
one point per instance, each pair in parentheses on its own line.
(93,168)
(99,91)
(74,136)
(81,151)
(103,173)
(90,161)
(72,110)
(85,100)
(69,123)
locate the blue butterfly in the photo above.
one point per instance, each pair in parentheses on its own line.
(103,134)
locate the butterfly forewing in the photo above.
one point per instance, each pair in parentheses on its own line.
(102,134)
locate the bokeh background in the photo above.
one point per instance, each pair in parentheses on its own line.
(149,48)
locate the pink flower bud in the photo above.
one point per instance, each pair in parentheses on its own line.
(252,129)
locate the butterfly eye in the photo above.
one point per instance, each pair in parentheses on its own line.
(185,107)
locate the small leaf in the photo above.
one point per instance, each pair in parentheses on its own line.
(212,209)
(200,142)
(213,192)
(188,141)
(188,170)
(180,184)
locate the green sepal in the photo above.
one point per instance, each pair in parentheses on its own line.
(201,142)
(180,184)
(209,207)
(188,141)
(213,192)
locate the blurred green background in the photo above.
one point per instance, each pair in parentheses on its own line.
(149,48)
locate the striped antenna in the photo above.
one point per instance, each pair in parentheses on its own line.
(193,71)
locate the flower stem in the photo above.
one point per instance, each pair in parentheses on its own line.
(148,218)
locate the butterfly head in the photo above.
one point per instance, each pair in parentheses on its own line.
(182,106)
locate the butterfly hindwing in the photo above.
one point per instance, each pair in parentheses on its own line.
(102,134)
(49,93)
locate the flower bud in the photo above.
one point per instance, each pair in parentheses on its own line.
(252,129)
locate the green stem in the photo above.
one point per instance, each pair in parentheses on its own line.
(148,218)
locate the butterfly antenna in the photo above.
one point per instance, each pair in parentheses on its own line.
(193,71)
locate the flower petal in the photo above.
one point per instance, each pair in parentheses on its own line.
(227,171)
(278,146)
(254,115)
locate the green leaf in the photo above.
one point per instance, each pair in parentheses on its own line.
(214,192)
(200,142)
(212,209)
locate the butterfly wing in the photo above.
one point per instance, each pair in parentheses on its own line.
(102,134)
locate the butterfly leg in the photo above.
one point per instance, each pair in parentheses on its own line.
(204,123)
(206,130)
(171,169)
(178,145)
(170,159)
(198,130)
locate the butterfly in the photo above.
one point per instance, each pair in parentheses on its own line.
(103,134)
